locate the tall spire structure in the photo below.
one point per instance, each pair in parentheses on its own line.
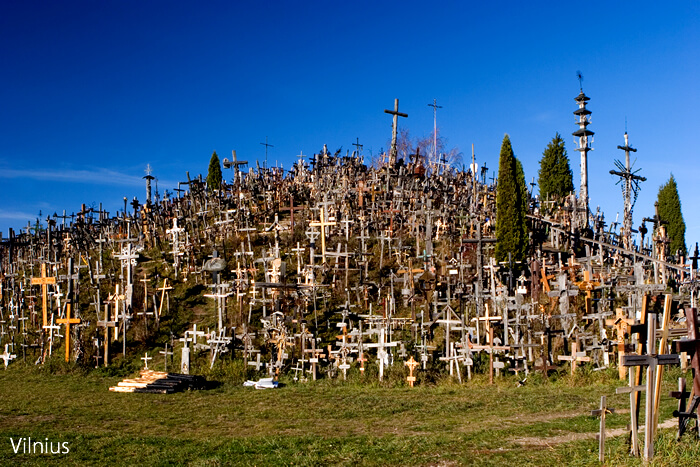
(148,178)
(582,134)
(630,188)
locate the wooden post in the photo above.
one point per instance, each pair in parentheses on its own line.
(682,396)
(602,411)
(632,390)
(651,390)
(663,348)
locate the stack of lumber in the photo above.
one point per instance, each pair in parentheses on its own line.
(158,382)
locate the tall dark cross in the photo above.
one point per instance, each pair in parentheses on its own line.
(266,146)
(394,152)
(630,187)
(358,146)
(435,107)
(148,178)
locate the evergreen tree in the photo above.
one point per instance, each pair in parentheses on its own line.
(511,206)
(555,177)
(214,176)
(670,211)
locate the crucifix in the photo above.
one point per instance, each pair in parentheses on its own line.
(412,364)
(44,281)
(394,152)
(622,325)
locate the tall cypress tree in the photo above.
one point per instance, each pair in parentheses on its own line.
(670,211)
(511,206)
(214,175)
(555,178)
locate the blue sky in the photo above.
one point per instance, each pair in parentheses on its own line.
(91,92)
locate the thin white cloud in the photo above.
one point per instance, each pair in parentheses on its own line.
(96,176)
(17,215)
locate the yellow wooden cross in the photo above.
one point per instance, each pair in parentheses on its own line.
(323,224)
(412,364)
(44,282)
(68,321)
(163,289)
(587,285)
(621,324)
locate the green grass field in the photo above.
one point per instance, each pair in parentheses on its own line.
(328,422)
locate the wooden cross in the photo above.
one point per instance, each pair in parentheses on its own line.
(44,282)
(651,360)
(487,319)
(145,359)
(7,356)
(633,390)
(51,329)
(490,348)
(106,323)
(316,354)
(257,363)
(382,354)
(602,412)
(575,357)
(69,304)
(662,349)
(291,210)
(587,285)
(395,124)
(165,355)
(323,224)
(622,325)
(412,364)
(683,416)
(691,345)
(163,291)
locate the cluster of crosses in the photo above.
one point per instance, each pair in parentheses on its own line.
(334,265)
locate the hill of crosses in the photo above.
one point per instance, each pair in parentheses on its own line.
(336,268)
